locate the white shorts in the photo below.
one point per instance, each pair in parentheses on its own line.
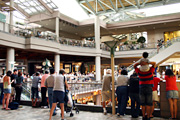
(106,95)
(155,96)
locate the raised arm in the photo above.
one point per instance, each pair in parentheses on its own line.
(135,65)
(153,64)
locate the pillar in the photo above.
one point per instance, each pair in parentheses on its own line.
(10,59)
(97,32)
(57,63)
(98,42)
(98,68)
(57,28)
(11,17)
(26,63)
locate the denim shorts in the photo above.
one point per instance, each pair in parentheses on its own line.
(145,94)
(172,94)
(34,91)
(58,96)
(7,91)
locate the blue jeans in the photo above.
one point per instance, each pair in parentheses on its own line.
(2,94)
(135,100)
(50,95)
(122,97)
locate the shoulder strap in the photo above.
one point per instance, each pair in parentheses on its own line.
(64,84)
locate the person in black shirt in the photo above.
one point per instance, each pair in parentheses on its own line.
(134,95)
(13,85)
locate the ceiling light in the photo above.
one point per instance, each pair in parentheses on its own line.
(154,27)
(46,24)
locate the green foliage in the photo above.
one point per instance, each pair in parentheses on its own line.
(141,39)
(134,42)
(126,43)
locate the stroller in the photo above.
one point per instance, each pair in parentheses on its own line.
(69,104)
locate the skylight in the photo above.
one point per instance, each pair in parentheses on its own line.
(160,10)
(72,9)
(30,6)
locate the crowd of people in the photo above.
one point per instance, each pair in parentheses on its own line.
(141,87)
(11,86)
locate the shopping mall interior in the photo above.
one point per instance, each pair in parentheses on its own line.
(86,38)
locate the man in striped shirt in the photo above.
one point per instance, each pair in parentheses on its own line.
(145,88)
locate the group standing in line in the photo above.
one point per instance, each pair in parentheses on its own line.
(142,89)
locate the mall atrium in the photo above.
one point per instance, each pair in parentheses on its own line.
(86,38)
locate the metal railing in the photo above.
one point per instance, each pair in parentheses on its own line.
(77,43)
(84,87)
(26,91)
(137,46)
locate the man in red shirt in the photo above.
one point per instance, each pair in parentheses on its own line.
(145,88)
(155,93)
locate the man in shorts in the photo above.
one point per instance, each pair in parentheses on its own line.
(106,89)
(59,93)
(145,89)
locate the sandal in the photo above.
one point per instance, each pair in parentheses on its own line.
(8,109)
(3,108)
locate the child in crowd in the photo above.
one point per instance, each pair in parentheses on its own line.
(144,62)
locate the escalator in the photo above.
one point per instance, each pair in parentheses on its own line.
(165,52)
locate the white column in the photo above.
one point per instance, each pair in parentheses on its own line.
(10,59)
(97,32)
(98,68)
(11,17)
(57,63)
(57,28)
(97,41)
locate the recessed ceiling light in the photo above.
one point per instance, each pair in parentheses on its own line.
(46,24)
(76,33)
(154,27)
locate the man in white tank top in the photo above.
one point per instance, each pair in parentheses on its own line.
(59,93)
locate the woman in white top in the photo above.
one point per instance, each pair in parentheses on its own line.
(122,92)
(7,90)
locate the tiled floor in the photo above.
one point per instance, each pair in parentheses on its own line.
(28,113)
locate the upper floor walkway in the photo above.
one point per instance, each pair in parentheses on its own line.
(20,39)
